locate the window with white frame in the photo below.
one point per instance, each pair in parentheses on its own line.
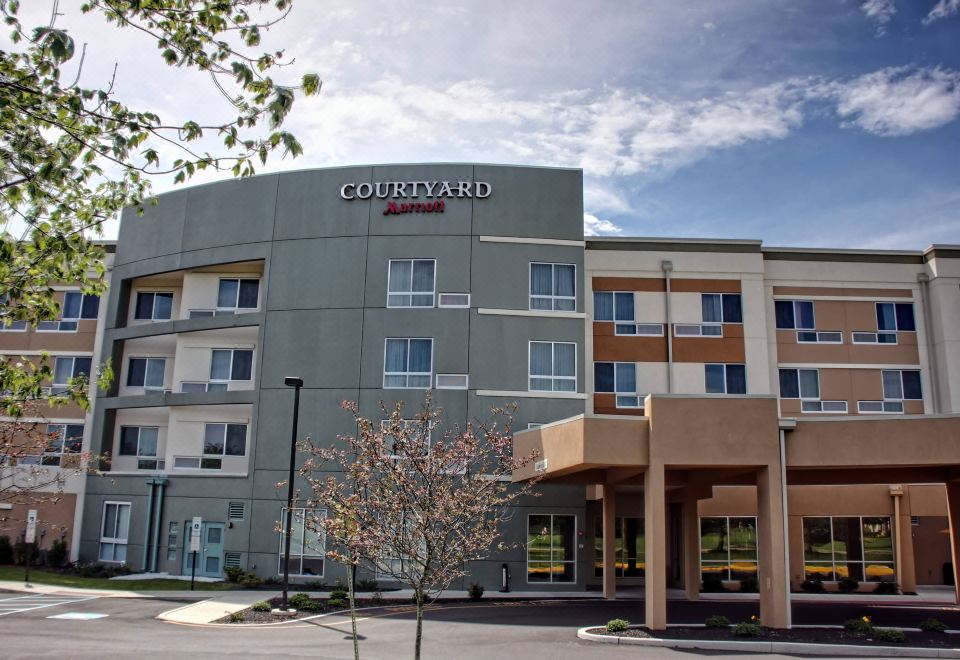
(10,324)
(141,442)
(66,368)
(551,548)
(618,378)
(153,306)
(407,363)
(76,306)
(221,440)
(553,366)
(411,282)
(307,543)
(238,294)
(895,317)
(618,307)
(114,530)
(899,385)
(794,315)
(62,449)
(804,384)
(553,287)
(725,378)
(721,307)
(147,373)
(228,364)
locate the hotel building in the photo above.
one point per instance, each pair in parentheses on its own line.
(707,413)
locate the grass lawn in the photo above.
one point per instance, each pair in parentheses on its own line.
(40,576)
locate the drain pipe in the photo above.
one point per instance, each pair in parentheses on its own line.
(148,526)
(157,518)
(667,267)
(924,280)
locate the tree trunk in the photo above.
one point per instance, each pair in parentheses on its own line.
(419,597)
(353,613)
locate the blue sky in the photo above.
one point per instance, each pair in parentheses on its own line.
(808,123)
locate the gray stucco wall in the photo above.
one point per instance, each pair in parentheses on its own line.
(324,318)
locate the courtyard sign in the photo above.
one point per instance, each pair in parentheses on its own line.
(435,191)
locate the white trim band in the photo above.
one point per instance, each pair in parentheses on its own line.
(528,312)
(532,241)
(524,394)
(841,365)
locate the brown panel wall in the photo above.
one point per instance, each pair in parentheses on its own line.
(684,285)
(52,517)
(629,284)
(931,548)
(629,349)
(710,349)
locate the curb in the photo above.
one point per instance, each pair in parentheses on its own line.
(804,648)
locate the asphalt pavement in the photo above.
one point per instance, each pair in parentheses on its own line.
(486,631)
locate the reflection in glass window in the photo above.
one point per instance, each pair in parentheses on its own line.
(858,547)
(728,547)
(238,293)
(551,548)
(629,552)
(307,545)
(794,315)
(725,378)
(153,306)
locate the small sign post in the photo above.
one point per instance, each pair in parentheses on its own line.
(196,527)
(28,538)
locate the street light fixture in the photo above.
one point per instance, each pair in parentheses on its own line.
(296,383)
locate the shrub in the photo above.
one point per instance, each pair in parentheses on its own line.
(862,625)
(272,579)
(236,617)
(475,591)
(712,583)
(376,599)
(933,625)
(366,585)
(337,603)
(233,573)
(749,585)
(813,586)
(262,606)
(887,588)
(338,594)
(889,635)
(6,550)
(300,601)
(250,580)
(848,584)
(716,621)
(319,585)
(57,554)
(746,630)
(617,625)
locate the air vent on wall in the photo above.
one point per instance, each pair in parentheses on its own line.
(231,560)
(235,511)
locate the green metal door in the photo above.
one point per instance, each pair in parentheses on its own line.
(210,556)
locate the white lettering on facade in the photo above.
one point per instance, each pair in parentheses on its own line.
(413,189)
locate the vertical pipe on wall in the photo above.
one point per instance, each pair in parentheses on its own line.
(147,526)
(157,518)
(667,267)
(924,281)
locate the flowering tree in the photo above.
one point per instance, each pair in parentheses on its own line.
(414,502)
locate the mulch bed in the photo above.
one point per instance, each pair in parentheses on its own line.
(931,640)
(319,607)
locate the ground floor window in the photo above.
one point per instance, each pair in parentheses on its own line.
(551,548)
(728,547)
(857,547)
(307,546)
(629,553)
(114,531)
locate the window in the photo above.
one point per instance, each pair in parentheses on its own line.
(66,369)
(551,548)
(307,545)
(874,337)
(228,364)
(64,442)
(410,282)
(553,287)
(76,306)
(408,363)
(153,306)
(141,441)
(819,337)
(794,315)
(721,307)
(411,427)
(799,384)
(728,547)
(12,325)
(172,534)
(895,317)
(898,386)
(452,381)
(696,330)
(114,531)
(238,294)
(221,440)
(553,366)
(725,378)
(857,547)
(629,555)
(619,378)
(453,300)
(146,373)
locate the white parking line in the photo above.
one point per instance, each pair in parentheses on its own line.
(28,603)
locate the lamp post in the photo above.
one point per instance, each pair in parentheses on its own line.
(296,383)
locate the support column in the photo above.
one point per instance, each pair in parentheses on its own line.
(609,542)
(655,541)
(774,580)
(691,548)
(953,507)
(148,526)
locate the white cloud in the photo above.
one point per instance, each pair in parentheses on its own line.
(943,9)
(594,226)
(880,12)
(897,101)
